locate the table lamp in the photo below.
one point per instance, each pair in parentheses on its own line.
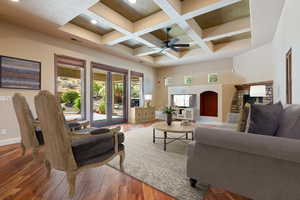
(258,91)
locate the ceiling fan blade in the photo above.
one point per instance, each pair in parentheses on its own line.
(158,43)
(174,49)
(181,45)
(173,41)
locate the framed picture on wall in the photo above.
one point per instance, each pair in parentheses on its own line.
(213,78)
(289,77)
(188,80)
(16,73)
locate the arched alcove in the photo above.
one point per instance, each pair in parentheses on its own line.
(209,104)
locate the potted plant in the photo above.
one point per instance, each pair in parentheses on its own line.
(169,112)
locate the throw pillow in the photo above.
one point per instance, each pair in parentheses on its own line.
(243,118)
(264,119)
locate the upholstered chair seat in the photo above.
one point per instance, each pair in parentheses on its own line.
(95,148)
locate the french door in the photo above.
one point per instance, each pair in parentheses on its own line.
(108,95)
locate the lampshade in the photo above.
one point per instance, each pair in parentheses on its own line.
(258,91)
(148,97)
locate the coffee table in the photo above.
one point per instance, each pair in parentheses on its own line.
(176,127)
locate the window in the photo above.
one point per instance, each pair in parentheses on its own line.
(136,89)
(70,86)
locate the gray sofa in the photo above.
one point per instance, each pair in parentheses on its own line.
(257,166)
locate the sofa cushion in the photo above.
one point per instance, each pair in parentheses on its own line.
(264,119)
(93,149)
(289,125)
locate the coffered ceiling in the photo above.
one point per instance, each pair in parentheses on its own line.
(213,28)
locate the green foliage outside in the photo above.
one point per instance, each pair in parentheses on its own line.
(135,91)
(99,90)
(102,108)
(69,97)
(77,103)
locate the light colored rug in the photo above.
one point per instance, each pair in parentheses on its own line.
(165,171)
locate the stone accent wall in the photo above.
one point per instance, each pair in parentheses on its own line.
(238,98)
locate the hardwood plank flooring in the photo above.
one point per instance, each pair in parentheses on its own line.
(22,178)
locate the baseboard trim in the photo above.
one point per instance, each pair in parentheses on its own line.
(10,141)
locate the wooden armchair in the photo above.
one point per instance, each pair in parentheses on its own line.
(30,136)
(72,154)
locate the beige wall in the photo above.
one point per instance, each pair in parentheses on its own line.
(255,65)
(199,73)
(286,37)
(23,43)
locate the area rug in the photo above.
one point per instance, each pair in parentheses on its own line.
(165,171)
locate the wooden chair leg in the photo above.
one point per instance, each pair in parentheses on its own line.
(72,183)
(48,167)
(23,149)
(122,158)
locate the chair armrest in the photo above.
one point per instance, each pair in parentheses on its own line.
(36,123)
(268,146)
(72,121)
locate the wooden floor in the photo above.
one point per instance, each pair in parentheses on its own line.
(22,178)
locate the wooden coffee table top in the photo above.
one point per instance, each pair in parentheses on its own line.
(176,127)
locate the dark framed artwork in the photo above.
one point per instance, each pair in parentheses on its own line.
(289,94)
(16,73)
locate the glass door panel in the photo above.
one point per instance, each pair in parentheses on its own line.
(99,98)
(118,95)
(109,103)
(136,91)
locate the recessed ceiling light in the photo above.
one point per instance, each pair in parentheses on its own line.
(93,21)
(15,0)
(132,1)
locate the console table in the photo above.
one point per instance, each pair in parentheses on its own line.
(141,114)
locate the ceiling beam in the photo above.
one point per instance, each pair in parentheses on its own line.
(107,16)
(192,29)
(79,32)
(144,51)
(227,30)
(174,12)
(124,27)
(193,8)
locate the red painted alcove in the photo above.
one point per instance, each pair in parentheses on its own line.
(209,104)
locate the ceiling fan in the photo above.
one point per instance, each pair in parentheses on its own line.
(171,43)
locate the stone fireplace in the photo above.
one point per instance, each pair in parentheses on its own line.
(213,102)
(242,94)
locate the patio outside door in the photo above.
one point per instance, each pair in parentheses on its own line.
(109,95)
